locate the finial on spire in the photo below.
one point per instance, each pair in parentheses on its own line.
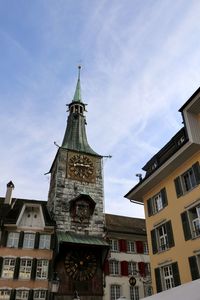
(79,71)
(77,94)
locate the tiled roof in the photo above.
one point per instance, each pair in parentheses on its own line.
(123,224)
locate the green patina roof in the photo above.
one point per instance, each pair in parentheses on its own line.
(77,94)
(80,239)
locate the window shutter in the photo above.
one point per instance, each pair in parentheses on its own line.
(139,247)
(16,271)
(33,270)
(186,226)
(4,238)
(37,239)
(164,197)
(1,264)
(50,271)
(176,274)
(21,239)
(141,267)
(169,234)
(53,241)
(178,187)
(194,267)
(122,246)
(196,172)
(47,296)
(158,280)
(124,268)
(149,207)
(106,267)
(30,295)
(154,241)
(12,294)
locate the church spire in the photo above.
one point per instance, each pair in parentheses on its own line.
(75,137)
(77,94)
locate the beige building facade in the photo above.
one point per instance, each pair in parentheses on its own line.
(170,192)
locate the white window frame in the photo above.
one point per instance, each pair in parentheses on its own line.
(12,240)
(168,278)
(132,268)
(114,267)
(42,269)
(29,240)
(146,248)
(115,291)
(114,244)
(157,203)
(162,238)
(134,293)
(131,246)
(188,180)
(5,294)
(39,294)
(8,267)
(45,241)
(22,294)
(25,268)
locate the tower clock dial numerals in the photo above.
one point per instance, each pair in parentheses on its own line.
(80,266)
(80,167)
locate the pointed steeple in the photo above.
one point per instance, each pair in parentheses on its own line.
(77,94)
(75,137)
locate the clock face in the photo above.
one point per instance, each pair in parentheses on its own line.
(81,167)
(80,266)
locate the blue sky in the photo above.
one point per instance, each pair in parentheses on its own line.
(140,64)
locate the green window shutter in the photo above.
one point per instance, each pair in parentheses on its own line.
(50,271)
(4,238)
(21,239)
(30,295)
(33,270)
(1,264)
(149,207)
(186,226)
(178,187)
(169,234)
(37,240)
(176,274)
(53,241)
(16,271)
(158,280)
(194,267)
(154,241)
(196,170)
(164,197)
(12,294)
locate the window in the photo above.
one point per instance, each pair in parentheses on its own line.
(146,250)
(45,240)
(8,267)
(22,294)
(114,267)
(194,262)
(132,268)
(147,269)
(13,239)
(131,246)
(162,237)
(114,246)
(188,180)
(157,202)
(39,295)
(42,269)
(5,294)
(25,268)
(191,222)
(167,277)
(147,290)
(134,293)
(115,291)
(29,240)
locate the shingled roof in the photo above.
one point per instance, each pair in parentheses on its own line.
(123,224)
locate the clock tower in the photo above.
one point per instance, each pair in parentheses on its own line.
(76,202)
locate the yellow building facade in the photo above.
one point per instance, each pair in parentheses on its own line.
(170,192)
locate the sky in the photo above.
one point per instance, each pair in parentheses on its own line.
(140,63)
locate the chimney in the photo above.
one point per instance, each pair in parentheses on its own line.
(8,198)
